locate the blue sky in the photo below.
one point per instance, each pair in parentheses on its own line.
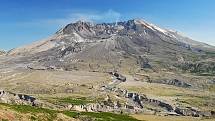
(25,21)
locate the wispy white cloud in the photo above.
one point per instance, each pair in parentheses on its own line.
(91,16)
(70,16)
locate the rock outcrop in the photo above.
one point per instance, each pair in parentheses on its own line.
(190,111)
(12,98)
(2,52)
(118,76)
(174,82)
(138,99)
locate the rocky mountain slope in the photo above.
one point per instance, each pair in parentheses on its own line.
(85,32)
(2,52)
(112,44)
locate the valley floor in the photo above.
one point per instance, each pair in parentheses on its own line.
(57,90)
(143,117)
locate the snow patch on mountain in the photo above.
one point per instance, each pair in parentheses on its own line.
(150,26)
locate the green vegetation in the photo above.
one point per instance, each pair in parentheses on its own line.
(75,101)
(4,120)
(48,114)
(71,114)
(211,54)
(200,69)
(43,114)
(103,116)
(205,74)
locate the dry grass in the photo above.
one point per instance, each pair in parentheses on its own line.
(168,118)
(45,82)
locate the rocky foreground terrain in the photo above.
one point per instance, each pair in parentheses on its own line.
(125,71)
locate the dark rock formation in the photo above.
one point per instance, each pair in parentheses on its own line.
(8,97)
(26,98)
(118,76)
(174,82)
(136,98)
(212,81)
(143,62)
(187,112)
(159,103)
